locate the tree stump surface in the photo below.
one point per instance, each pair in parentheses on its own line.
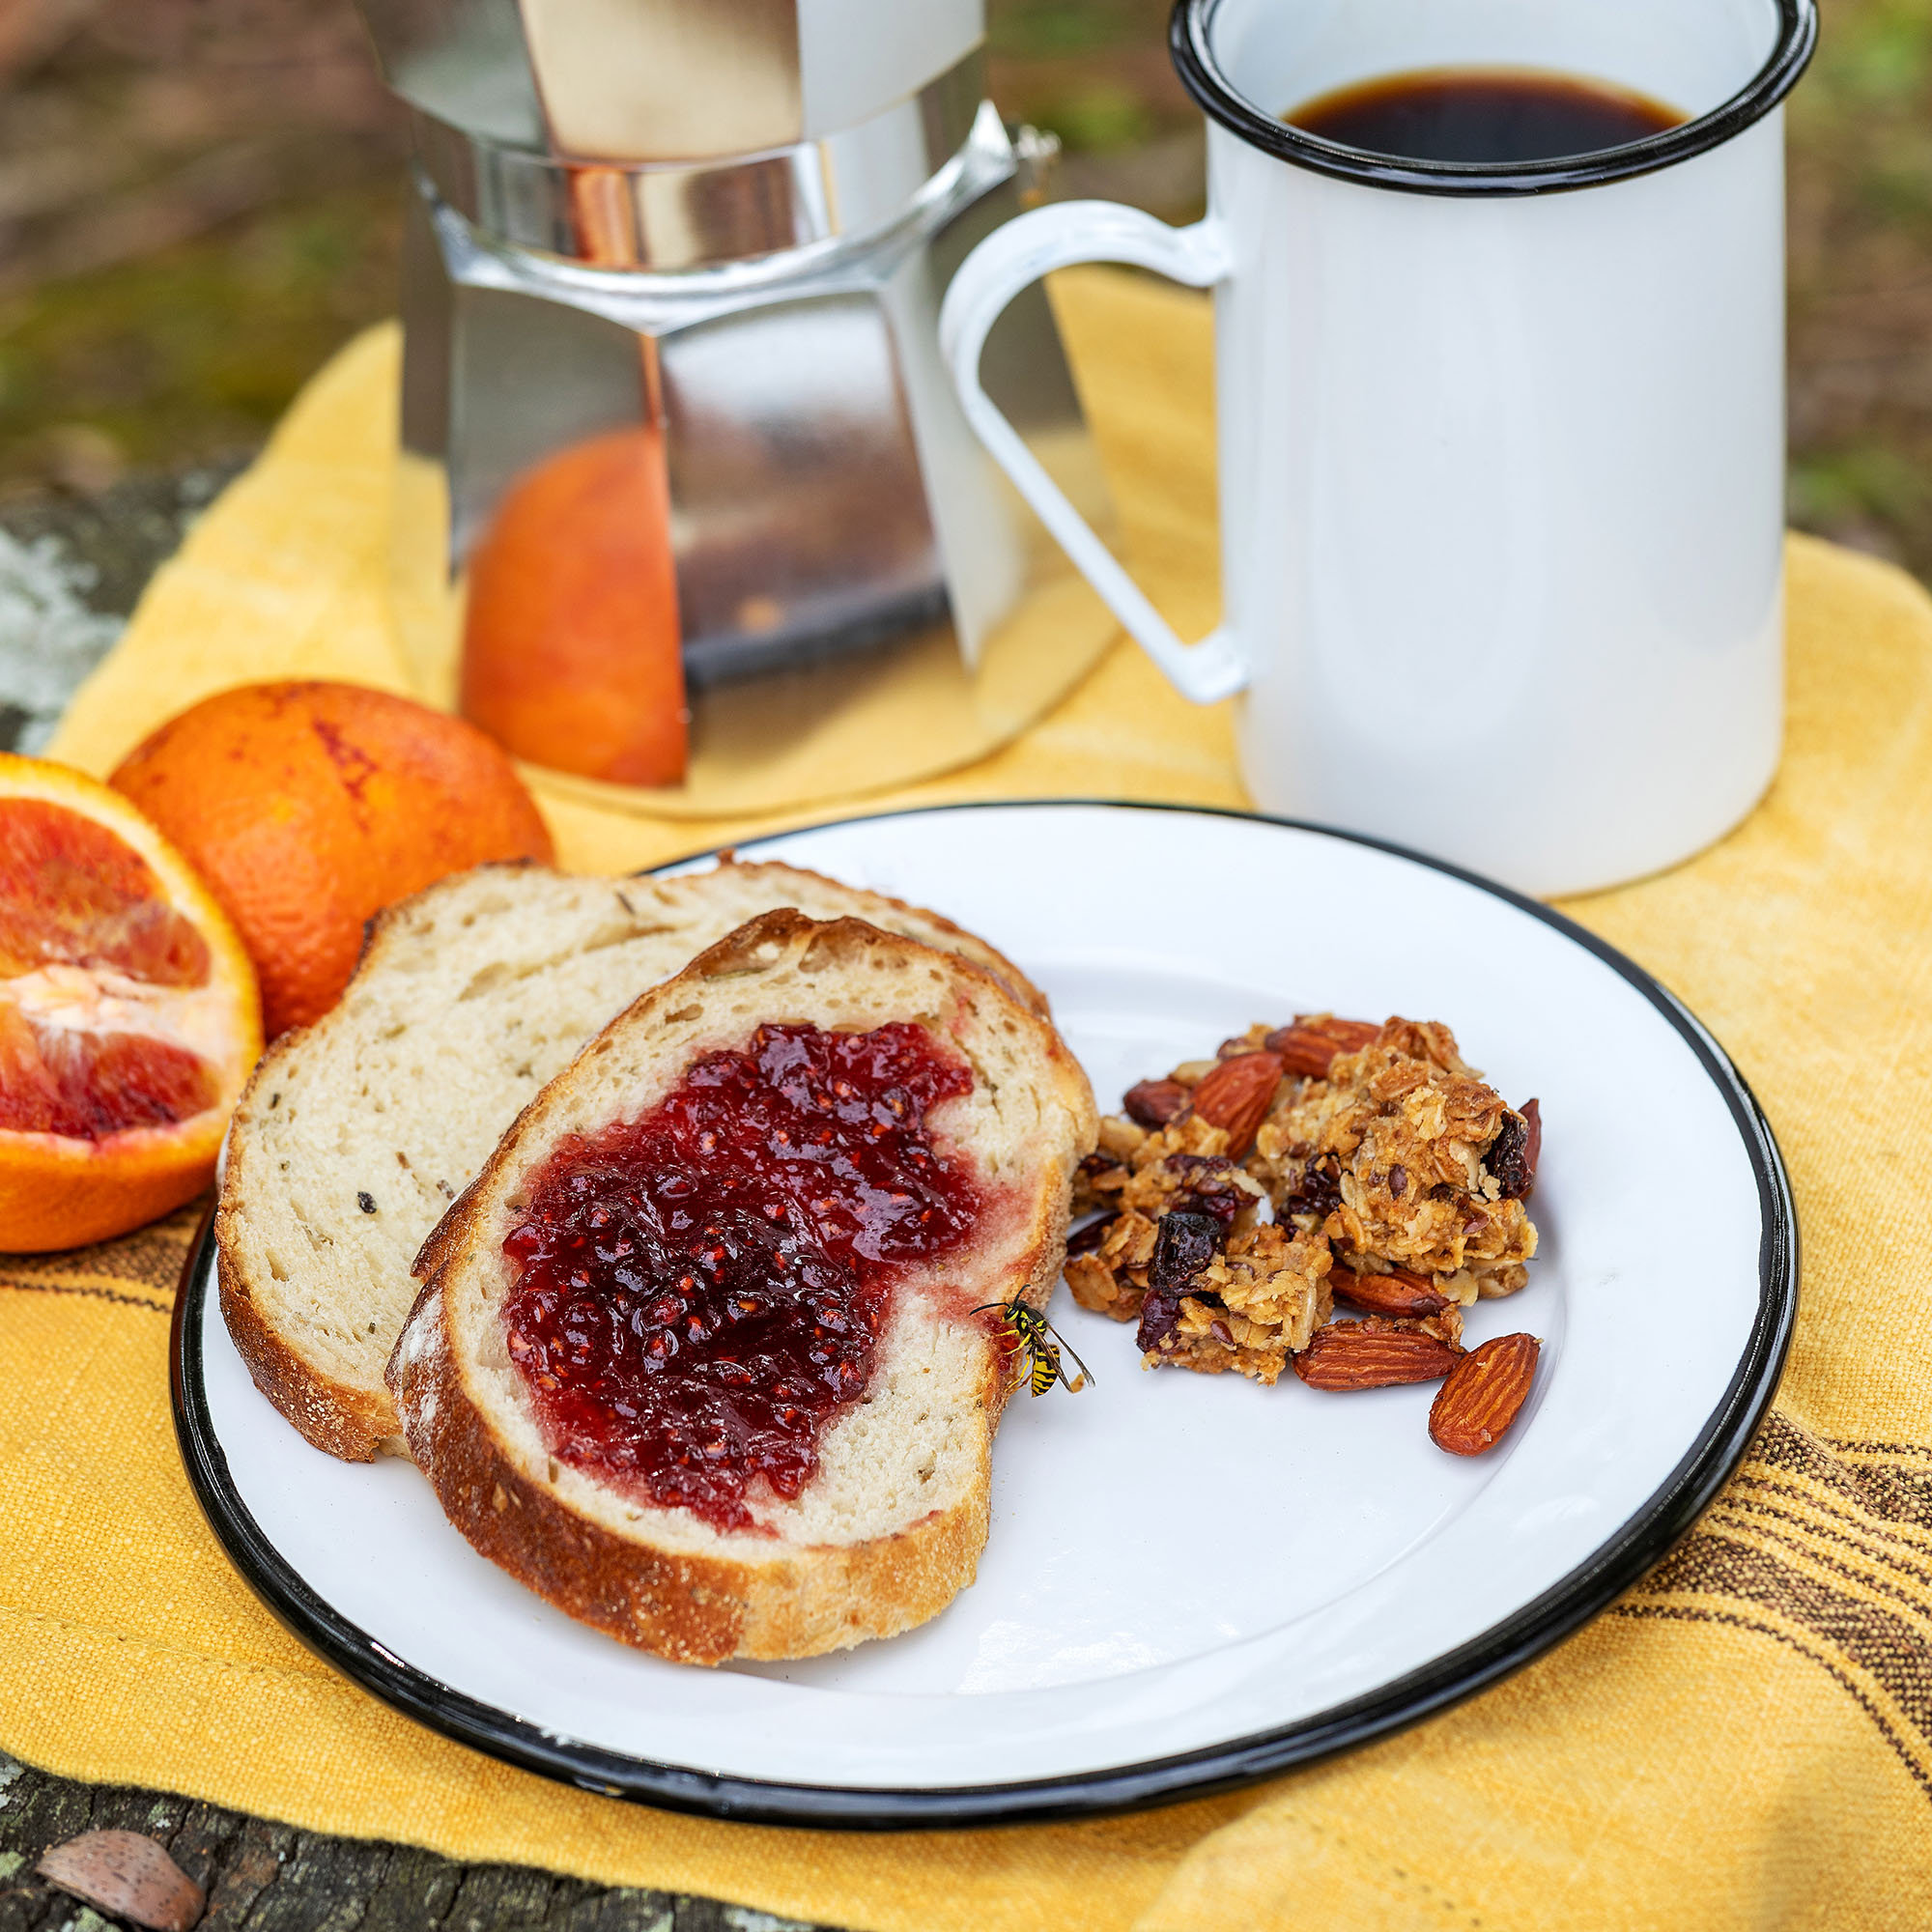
(262,1877)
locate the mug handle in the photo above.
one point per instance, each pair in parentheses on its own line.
(1015,255)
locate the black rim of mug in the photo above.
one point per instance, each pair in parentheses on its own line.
(1189,42)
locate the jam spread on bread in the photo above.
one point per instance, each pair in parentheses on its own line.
(699,1291)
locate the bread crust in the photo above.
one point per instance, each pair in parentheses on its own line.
(706,1609)
(689,1608)
(969,946)
(351,1420)
(337,1419)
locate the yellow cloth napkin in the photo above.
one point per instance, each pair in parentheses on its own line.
(1744,1741)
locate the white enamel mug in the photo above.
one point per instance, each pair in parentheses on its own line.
(1502,446)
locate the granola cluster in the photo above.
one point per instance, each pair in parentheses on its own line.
(1389,1156)
(1394,1180)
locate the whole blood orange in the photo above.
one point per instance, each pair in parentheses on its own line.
(571,646)
(128,1016)
(308,808)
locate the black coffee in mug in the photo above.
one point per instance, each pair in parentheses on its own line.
(1482,114)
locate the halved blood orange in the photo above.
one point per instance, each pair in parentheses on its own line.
(129,1014)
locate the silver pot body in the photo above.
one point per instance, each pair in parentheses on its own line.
(861,597)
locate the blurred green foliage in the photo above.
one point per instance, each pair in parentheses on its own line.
(1878,55)
(1094,72)
(1101,117)
(1860,280)
(197,349)
(1867,480)
(1032,28)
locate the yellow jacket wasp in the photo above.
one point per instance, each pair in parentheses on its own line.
(1035,1338)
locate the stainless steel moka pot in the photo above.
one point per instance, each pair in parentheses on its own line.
(726,226)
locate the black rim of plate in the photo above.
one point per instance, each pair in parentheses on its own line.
(1507,1645)
(1190,43)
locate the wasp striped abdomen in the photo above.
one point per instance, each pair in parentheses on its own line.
(1037,1345)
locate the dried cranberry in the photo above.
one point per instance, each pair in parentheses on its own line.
(1089,1236)
(699,1291)
(1512,1155)
(1154,1103)
(1199,1167)
(1220,1208)
(1184,1246)
(1204,1196)
(1160,1313)
(1318,1191)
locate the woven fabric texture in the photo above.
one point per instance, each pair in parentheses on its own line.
(1742,1741)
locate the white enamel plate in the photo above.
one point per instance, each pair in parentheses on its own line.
(1191,1581)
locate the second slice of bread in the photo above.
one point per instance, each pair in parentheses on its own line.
(355,1134)
(890,1526)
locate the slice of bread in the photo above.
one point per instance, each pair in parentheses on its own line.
(890,1528)
(355,1134)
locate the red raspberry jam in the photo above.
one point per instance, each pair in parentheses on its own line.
(699,1291)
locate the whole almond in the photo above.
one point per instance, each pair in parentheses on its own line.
(127,1875)
(1399,1292)
(1371,1354)
(1303,1050)
(1483,1394)
(1353,1035)
(1235,1095)
(1312,1042)
(1153,1103)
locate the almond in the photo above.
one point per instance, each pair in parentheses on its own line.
(1372,1354)
(1235,1095)
(1153,1103)
(1483,1394)
(1303,1050)
(1315,1040)
(1353,1035)
(127,1875)
(1399,1292)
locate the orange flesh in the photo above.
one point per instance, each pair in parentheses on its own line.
(74,895)
(56,1080)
